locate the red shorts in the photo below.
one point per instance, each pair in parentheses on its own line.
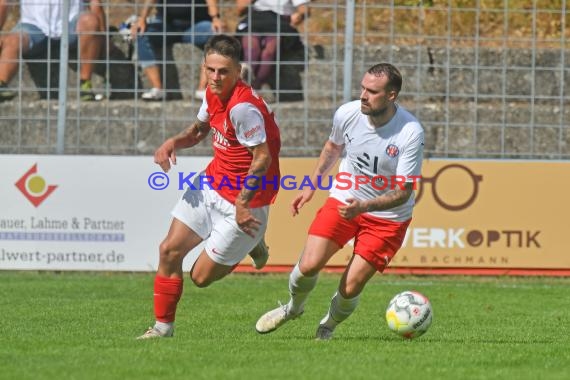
(376,240)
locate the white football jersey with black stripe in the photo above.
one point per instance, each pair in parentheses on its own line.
(377,159)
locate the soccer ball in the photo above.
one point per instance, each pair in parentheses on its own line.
(409,314)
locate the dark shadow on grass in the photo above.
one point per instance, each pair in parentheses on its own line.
(431,340)
(303,337)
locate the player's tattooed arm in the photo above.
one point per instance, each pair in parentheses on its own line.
(165,155)
(192,135)
(259,165)
(329,156)
(393,198)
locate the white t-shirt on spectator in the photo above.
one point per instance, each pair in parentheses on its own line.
(282,7)
(46,14)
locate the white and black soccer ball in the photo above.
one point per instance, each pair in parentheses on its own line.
(409,314)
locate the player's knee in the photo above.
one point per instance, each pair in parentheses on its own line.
(309,269)
(168,253)
(200,281)
(350,290)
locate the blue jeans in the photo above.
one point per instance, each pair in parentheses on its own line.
(38,41)
(158,34)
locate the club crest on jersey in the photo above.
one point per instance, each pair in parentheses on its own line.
(392,150)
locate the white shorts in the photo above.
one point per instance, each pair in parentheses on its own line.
(213,218)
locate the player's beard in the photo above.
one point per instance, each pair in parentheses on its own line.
(374,113)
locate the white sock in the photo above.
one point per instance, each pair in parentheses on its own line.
(163,327)
(300,286)
(341,308)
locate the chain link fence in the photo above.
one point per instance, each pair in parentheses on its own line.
(487,78)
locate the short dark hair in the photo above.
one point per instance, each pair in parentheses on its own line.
(391,72)
(225,45)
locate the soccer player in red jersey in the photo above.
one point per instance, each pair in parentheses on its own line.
(227,207)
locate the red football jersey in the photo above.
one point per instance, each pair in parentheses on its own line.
(232,160)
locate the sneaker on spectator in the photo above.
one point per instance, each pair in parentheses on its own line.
(5,92)
(154,94)
(86,93)
(200,94)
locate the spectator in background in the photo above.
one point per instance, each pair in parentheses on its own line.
(186,21)
(267,26)
(40,23)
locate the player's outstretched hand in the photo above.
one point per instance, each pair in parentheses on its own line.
(165,155)
(300,200)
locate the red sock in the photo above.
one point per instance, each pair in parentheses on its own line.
(167,292)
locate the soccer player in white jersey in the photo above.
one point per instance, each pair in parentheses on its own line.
(228,204)
(370,201)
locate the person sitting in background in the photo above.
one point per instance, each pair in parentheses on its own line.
(186,21)
(263,25)
(40,23)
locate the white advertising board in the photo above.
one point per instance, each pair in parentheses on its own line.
(86,212)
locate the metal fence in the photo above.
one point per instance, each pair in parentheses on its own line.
(487,78)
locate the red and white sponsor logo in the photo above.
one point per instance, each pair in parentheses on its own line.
(219,140)
(252,131)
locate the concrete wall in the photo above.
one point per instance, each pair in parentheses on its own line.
(484,103)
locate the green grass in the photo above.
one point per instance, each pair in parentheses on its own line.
(83,325)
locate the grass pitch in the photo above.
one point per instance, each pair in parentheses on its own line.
(83,326)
